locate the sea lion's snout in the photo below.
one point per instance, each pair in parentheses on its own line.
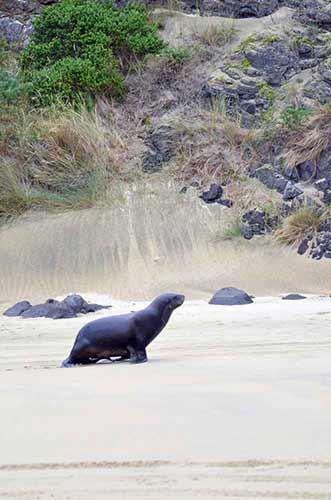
(178,300)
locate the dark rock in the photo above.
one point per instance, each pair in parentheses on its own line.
(291,174)
(273,180)
(90,308)
(230,296)
(275,59)
(294,296)
(68,308)
(254,217)
(291,191)
(327,254)
(161,148)
(18,309)
(225,203)
(247,232)
(303,247)
(49,310)
(306,171)
(75,302)
(183,190)
(213,194)
(321,184)
(327,197)
(240,8)
(255,221)
(325,226)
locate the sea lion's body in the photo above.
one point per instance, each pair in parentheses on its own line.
(125,336)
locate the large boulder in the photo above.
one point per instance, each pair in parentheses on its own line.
(18,309)
(51,309)
(75,302)
(230,296)
(72,305)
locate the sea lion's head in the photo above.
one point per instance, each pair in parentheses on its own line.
(168,301)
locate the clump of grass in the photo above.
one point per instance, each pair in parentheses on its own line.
(69,150)
(302,223)
(217,35)
(59,159)
(270,39)
(309,141)
(267,91)
(293,116)
(248,42)
(233,229)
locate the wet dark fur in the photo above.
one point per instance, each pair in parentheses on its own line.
(125,336)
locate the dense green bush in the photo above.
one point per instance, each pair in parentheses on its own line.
(81,48)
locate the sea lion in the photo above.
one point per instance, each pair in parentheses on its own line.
(124,336)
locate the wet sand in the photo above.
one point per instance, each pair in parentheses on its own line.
(234,403)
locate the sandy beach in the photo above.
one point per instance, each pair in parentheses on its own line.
(233,403)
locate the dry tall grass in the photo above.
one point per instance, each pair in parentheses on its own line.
(209,146)
(304,222)
(73,149)
(215,35)
(60,158)
(309,141)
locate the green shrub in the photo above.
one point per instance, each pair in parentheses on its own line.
(267,91)
(176,56)
(80,48)
(293,116)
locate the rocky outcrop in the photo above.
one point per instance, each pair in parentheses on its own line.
(16,18)
(318,170)
(68,308)
(249,79)
(18,309)
(240,8)
(317,245)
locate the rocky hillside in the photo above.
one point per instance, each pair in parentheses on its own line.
(242,116)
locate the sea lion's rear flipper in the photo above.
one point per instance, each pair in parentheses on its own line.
(67,363)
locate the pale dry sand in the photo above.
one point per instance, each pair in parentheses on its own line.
(180,29)
(234,403)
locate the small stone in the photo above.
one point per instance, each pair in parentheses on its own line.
(225,203)
(247,232)
(303,247)
(294,296)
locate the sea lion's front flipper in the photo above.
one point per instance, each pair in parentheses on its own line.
(137,354)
